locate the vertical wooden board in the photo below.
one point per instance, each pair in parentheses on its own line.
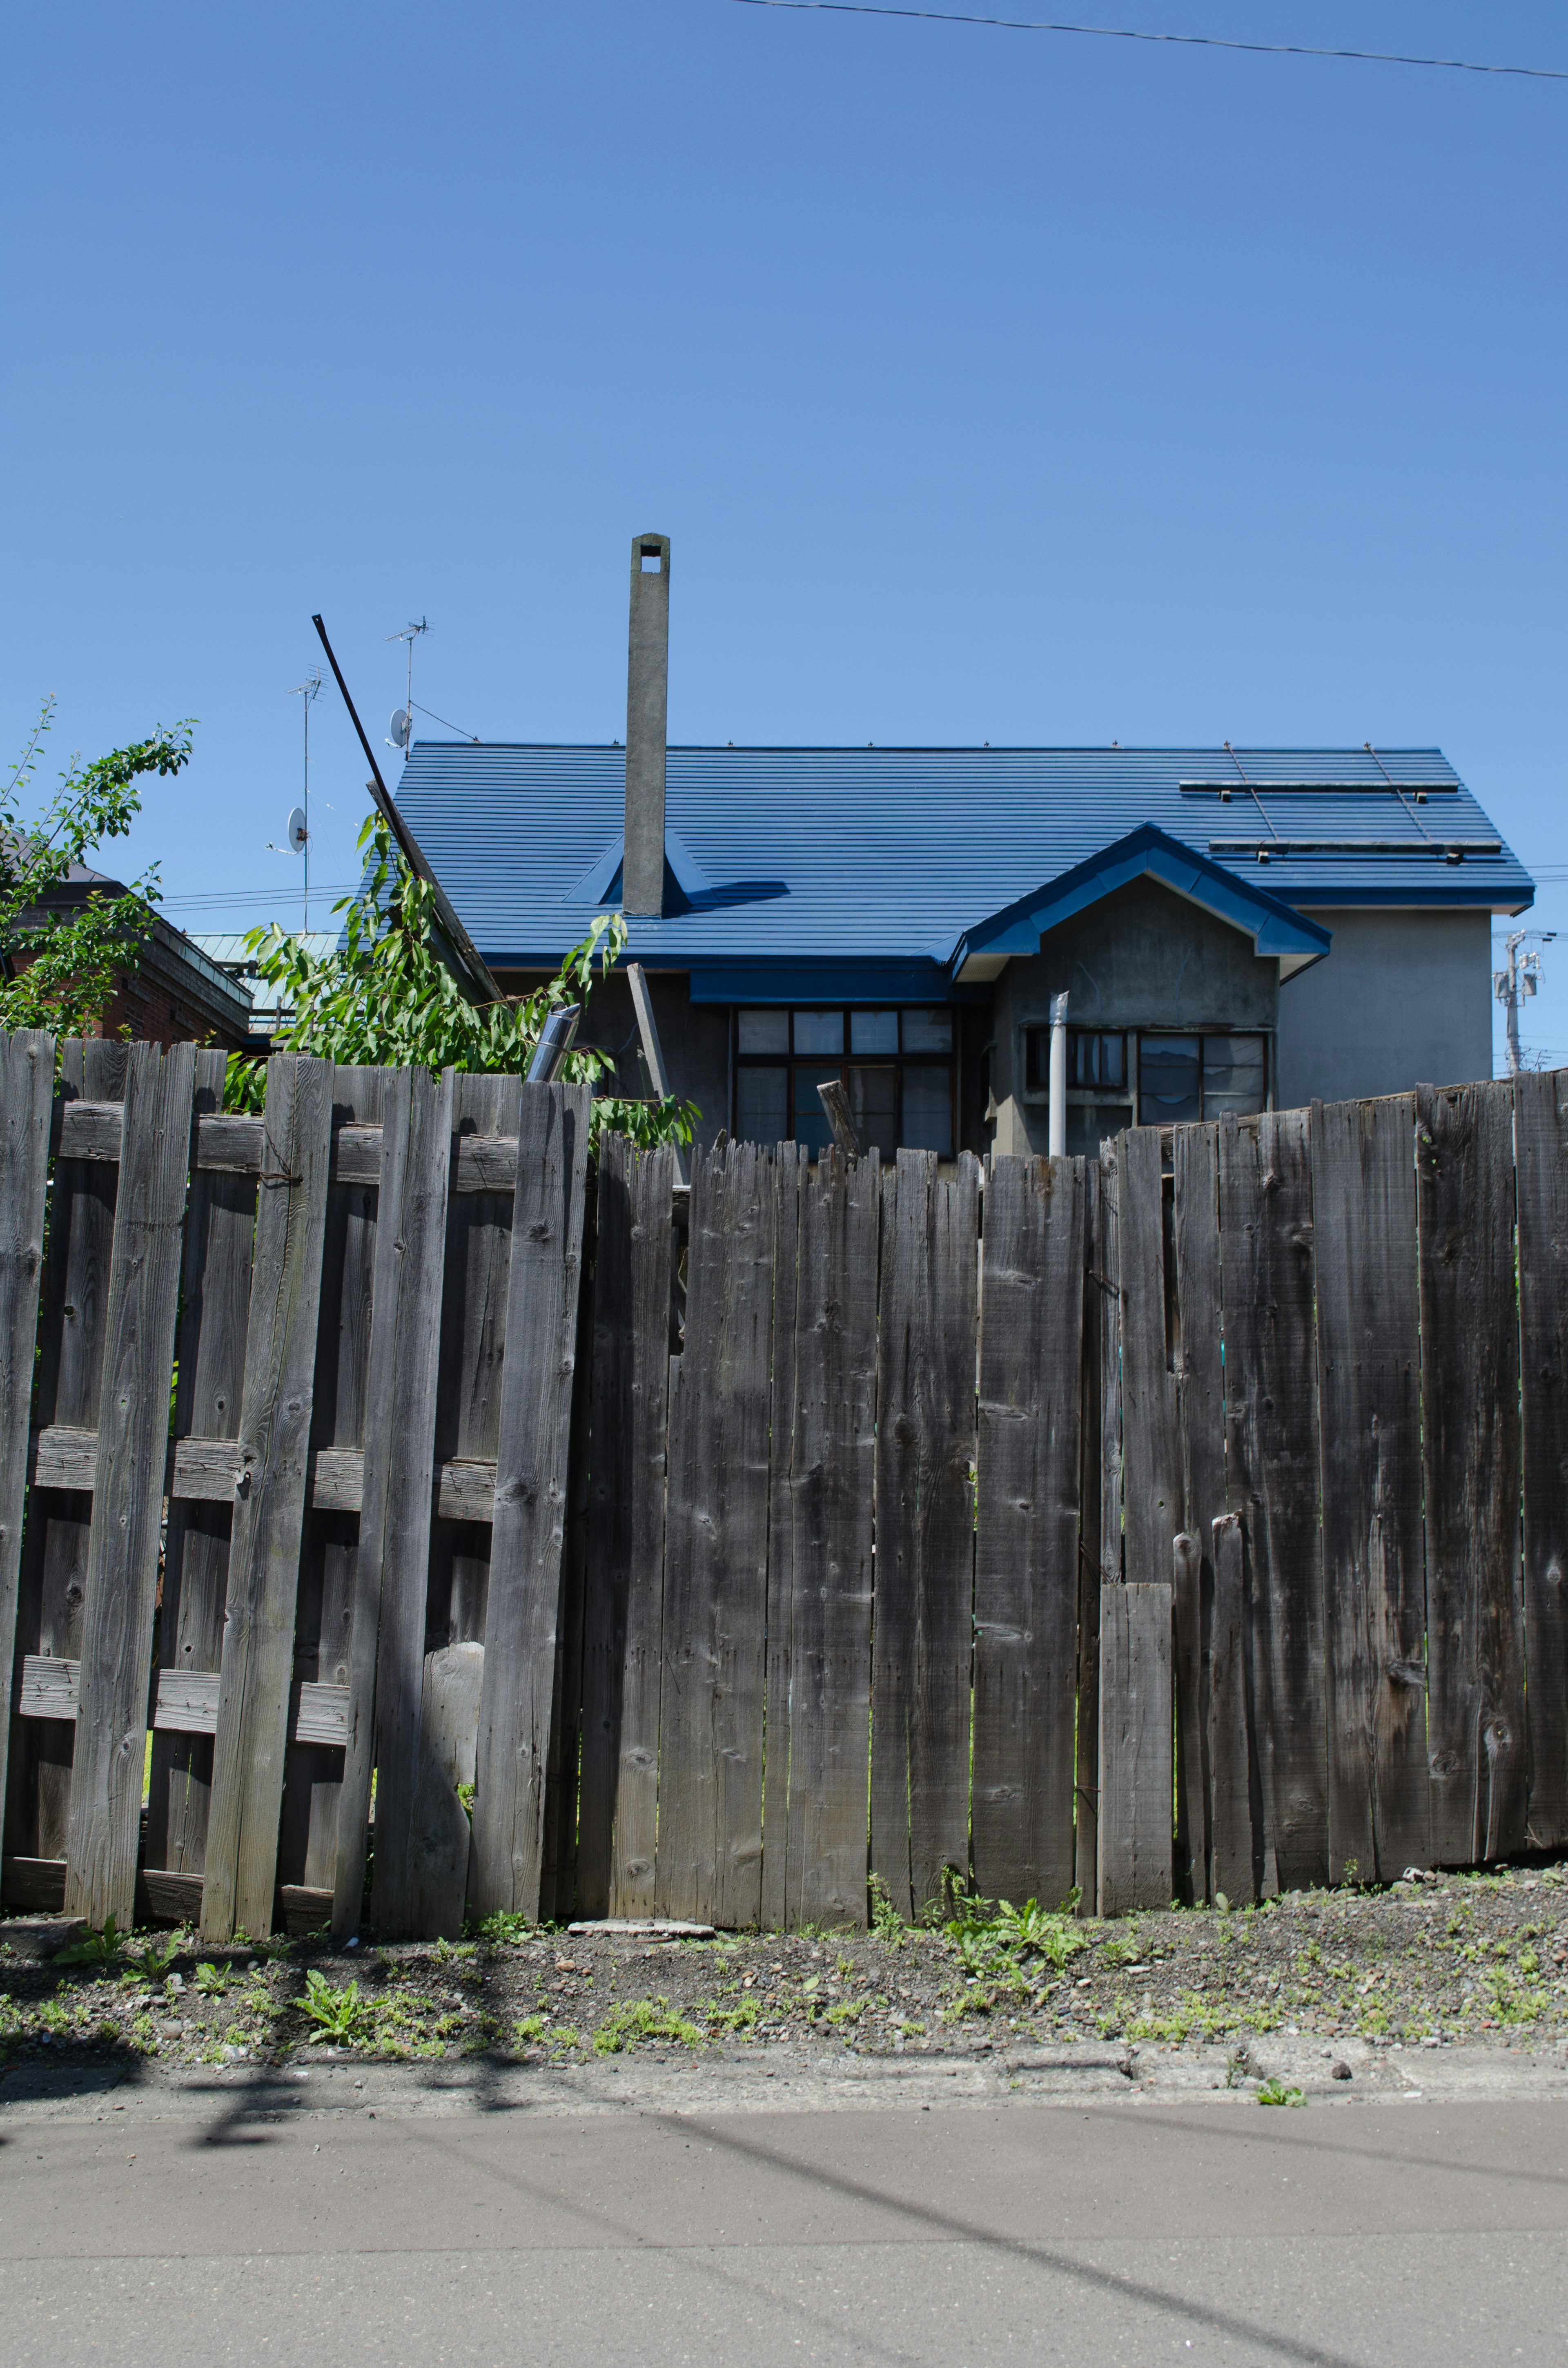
(473,1299)
(1469,1404)
(1234,1857)
(211,1352)
(831,1462)
(1202,1390)
(435,1879)
(128,1496)
(1540,1141)
(1266,1208)
(528,1534)
(1026,1530)
(610,1522)
(1099,1550)
(1152,1479)
(557,1878)
(710,1719)
(922,1607)
(790,1174)
(1369,1417)
(1135,1836)
(27,1099)
(276,1405)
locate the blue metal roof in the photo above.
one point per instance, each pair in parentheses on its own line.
(874,857)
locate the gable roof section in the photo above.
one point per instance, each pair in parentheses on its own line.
(793,859)
(1275,930)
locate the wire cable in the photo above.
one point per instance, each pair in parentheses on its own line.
(1179,40)
(449,725)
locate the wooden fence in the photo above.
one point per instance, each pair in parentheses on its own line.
(854,1523)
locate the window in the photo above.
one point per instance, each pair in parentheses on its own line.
(1095,1060)
(1186,1077)
(895,1066)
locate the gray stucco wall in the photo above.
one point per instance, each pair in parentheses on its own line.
(1404,999)
(693,1037)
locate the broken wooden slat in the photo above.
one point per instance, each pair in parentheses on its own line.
(710,1852)
(122,1580)
(187,1703)
(1540,1142)
(206,1469)
(395,1524)
(1027,1530)
(1370,1418)
(1135,1749)
(27,1098)
(532,1452)
(269,1503)
(790,1176)
(1201,1396)
(234,1144)
(1234,1857)
(1470,1393)
(1266,1208)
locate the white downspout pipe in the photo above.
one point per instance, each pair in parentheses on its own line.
(1057,1122)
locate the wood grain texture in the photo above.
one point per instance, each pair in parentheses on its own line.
(1151,1415)
(269,1504)
(608,1572)
(832,1459)
(1470,1391)
(532,1455)
(122,1552)
(1201,1394)
(1026,1530)
(1369,1419)
(1540,1139)
(1100,1541)
(710,1719)
(27,1100)
(790,1176)
(1235,1860)
(1135,1831)
(1273,1477)
(435,1878)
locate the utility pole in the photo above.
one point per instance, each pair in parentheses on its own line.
(1522,976)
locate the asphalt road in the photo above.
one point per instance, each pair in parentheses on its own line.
(1113,2230)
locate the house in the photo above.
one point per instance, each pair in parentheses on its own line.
(1233,928)
(175,992)
(267,1012)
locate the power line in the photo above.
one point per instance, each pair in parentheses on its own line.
(1179,40)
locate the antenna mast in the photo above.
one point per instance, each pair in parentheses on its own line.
(410,634)
(307,690)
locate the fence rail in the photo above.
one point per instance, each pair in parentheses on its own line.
(1189,1520)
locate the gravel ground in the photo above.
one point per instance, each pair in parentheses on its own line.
(1472,1958)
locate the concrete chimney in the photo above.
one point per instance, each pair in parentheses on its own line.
(647,694)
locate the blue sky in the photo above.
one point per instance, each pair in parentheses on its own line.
(991,386)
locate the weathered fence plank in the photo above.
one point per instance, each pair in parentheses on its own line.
(1470,1394)
(922,1626)
(1201,1386)
(122,1580)
(1026,1530)
(1150,1412)
(790,1174)
(1100,1542)
(269,1505)
(1369,1417)
(832,1458)
(1135,1749)
(1236,1860)
(1540,1150)
(1271,1400)
(711,1721)
(532,1452)
(27,1099)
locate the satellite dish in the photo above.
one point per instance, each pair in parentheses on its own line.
(297,833)
(398,728)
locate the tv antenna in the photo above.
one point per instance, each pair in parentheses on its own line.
(401,729)
(298,832)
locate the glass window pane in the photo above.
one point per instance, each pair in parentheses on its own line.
(928,1110)
(1234,1074)
(762,1105)
(873,1105)
(873,1032)
(819,1031)
(764,1032)
(812,1126)
(928,1032)
(1168,1070)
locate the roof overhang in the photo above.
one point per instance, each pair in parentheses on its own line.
(1278,931)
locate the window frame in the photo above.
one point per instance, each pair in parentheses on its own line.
(844,1062)
(1202,1036)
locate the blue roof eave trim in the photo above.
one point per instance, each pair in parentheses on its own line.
(1278,931)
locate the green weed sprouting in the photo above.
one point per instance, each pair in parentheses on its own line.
(337,2014)
(97,1946)
(1274,2092)
(641,2019)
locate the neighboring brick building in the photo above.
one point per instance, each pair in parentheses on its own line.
(176,994)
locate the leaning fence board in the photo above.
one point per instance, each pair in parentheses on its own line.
(1540,1136)
(122,1580)
(532,1455)
(1201,1391)
(789,1181)
(829,1513)
(709,1844)
(1135,1749)
(1370,1418)
(269,1506)
(1470,1391)
(27,1098)
(1028,1469)
(1271,1401)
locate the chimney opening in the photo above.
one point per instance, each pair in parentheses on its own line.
(653,559)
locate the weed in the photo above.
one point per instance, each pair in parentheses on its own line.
(564,2036)
(213,1981)
(886,1922)
(96,1947)
(639,2019)
(337,2014)
(846,1969)
(734,2018)
(153,1963)
(846,2010)
(529,2028)
(1274,2092)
